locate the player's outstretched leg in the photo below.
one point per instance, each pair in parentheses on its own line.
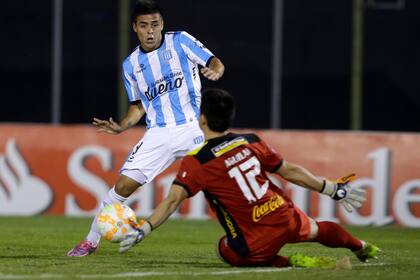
(90,244)
(369,251)
(333,235)
(84,248)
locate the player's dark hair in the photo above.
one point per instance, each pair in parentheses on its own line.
(218,106)
(145,7)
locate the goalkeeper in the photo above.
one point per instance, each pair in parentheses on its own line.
(258,217)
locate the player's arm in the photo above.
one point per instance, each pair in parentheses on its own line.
(338,190)
(298,175)
(213,67)
(161,213)
(214,70)
(176,195)
(134,113)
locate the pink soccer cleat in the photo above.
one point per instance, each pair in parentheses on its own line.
(82,249)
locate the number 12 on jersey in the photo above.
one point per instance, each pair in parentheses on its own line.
(245,176)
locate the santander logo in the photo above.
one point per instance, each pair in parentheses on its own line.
(21,193)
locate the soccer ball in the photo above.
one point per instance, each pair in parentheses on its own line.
(113,221)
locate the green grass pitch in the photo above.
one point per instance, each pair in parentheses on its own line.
(35,248)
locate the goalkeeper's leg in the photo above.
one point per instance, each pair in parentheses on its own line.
(229,256)
(333,235)
(270,258)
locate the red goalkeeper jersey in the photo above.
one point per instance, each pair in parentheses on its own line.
(231,171)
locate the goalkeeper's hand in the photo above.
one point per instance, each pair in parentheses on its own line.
(340,190)
(139,232)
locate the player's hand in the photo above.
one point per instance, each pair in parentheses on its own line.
(131,239)
(210,74)
(110,126)
(340,190)
(140,231)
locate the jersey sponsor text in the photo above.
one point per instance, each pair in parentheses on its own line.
(259,211)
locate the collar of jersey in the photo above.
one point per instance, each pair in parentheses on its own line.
(220,139)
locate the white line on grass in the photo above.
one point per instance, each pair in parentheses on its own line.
(39,276)
(370,264)
(225,272)
(156,273)
(143,274)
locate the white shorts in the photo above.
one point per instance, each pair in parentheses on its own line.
(159,148)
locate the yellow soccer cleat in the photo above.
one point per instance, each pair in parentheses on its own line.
(369,251)
(300,260)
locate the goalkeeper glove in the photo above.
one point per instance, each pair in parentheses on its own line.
(139,232)
(340,190)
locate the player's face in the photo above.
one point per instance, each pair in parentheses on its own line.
(149,30)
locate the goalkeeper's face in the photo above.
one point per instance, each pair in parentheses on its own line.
(149,30)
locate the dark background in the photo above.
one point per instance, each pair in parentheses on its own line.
(316,69)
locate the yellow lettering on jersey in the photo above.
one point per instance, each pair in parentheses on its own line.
(229,223)
(259,211)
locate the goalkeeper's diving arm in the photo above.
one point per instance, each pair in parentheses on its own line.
(339,190)
(161,213)
(176,195)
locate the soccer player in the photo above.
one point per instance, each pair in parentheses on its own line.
(258,217)
(162,81)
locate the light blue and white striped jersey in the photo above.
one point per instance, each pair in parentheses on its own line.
(167,80)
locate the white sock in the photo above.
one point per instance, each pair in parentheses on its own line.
(94,237)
